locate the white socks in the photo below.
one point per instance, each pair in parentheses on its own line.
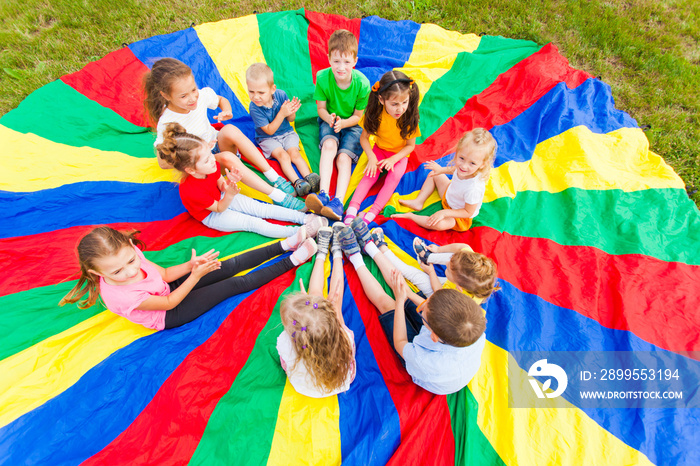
(304,252)
(369,216)
(292,242)
(356,260)
(271,175)
(277,195)
(371,249)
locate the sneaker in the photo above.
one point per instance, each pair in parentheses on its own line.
(314,203)
(301,187)
(313,223)
(305,251)
(323,239)
(333,209)
(348,242)
(291,203)
(378,237)
(421,250)
(283,185)
(348,219)
(337,229)
(297,238)
(314,181)
(361,231)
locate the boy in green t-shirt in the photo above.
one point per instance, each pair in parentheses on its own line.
(341,97)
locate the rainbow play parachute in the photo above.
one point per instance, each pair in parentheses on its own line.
(594,236)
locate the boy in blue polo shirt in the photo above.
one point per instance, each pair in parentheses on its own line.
(341,97)
(272,112)
(439,339)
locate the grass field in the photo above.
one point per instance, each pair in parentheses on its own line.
(648,51)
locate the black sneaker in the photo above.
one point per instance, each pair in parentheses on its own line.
(301,187)
(314,181)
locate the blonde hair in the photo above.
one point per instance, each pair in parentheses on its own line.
(178,147)
(319,339)
(343,42)
(480,139)
(258,72)
(475,273)
(100,242)
(455,318)
(160,79)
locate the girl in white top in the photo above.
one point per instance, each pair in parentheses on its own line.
(463,195)
(316,348)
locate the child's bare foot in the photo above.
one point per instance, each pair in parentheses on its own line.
(414,204)
(404,215)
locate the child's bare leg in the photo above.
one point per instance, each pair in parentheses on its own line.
(344,164)
(325,164)
(248,177)
(285,161)
(422,220)
(317,277)
(337,275)
(374,291)
(232,139)
(439,182)
(299,161)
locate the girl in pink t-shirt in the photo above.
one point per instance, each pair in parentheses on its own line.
(114,268)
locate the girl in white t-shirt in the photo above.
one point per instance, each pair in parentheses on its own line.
(463,195)
(316,348)
(172,96)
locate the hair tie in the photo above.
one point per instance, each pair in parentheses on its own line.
(303,347)
(303,329)
(386,86)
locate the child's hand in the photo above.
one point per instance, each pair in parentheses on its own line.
(387,164)
(333,118)
(233,176)
(371,168)
(434,167)
(290,107)
(398,285)
(207,256)
(204,267)
(231,188)
(223,115)
(433,248)
(338,125)
(436,218)
(427,268)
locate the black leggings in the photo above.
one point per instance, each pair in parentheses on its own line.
(220,284)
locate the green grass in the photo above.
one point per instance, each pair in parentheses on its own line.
(648,51)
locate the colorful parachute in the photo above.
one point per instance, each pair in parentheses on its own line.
(594,236)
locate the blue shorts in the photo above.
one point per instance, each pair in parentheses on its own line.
(414,322)
(348,139)
(215,150)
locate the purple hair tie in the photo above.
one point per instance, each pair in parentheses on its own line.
(303,329)
(303,347)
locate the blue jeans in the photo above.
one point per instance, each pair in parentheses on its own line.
(414,322)
(246,214)
(348,139)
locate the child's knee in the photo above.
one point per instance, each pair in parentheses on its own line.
(330,145)
(228,160)
(281,155)
(230,133)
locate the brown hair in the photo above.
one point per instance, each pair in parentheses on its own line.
(455,318)
(100,242)
(178,147)
(342,41)
(475,273)
(319,339)
(258,72)
(480,139)
(160,79)
(408,122)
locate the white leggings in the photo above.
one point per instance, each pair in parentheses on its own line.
(246,214)
(417,276)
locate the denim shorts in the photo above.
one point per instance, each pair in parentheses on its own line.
(215,150)
(348,139)
(285,141)
(414,322)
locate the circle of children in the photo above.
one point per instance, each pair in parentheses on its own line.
(438,334)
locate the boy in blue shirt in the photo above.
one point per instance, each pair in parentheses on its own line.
(272,112)
(341,97)
(439,339)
